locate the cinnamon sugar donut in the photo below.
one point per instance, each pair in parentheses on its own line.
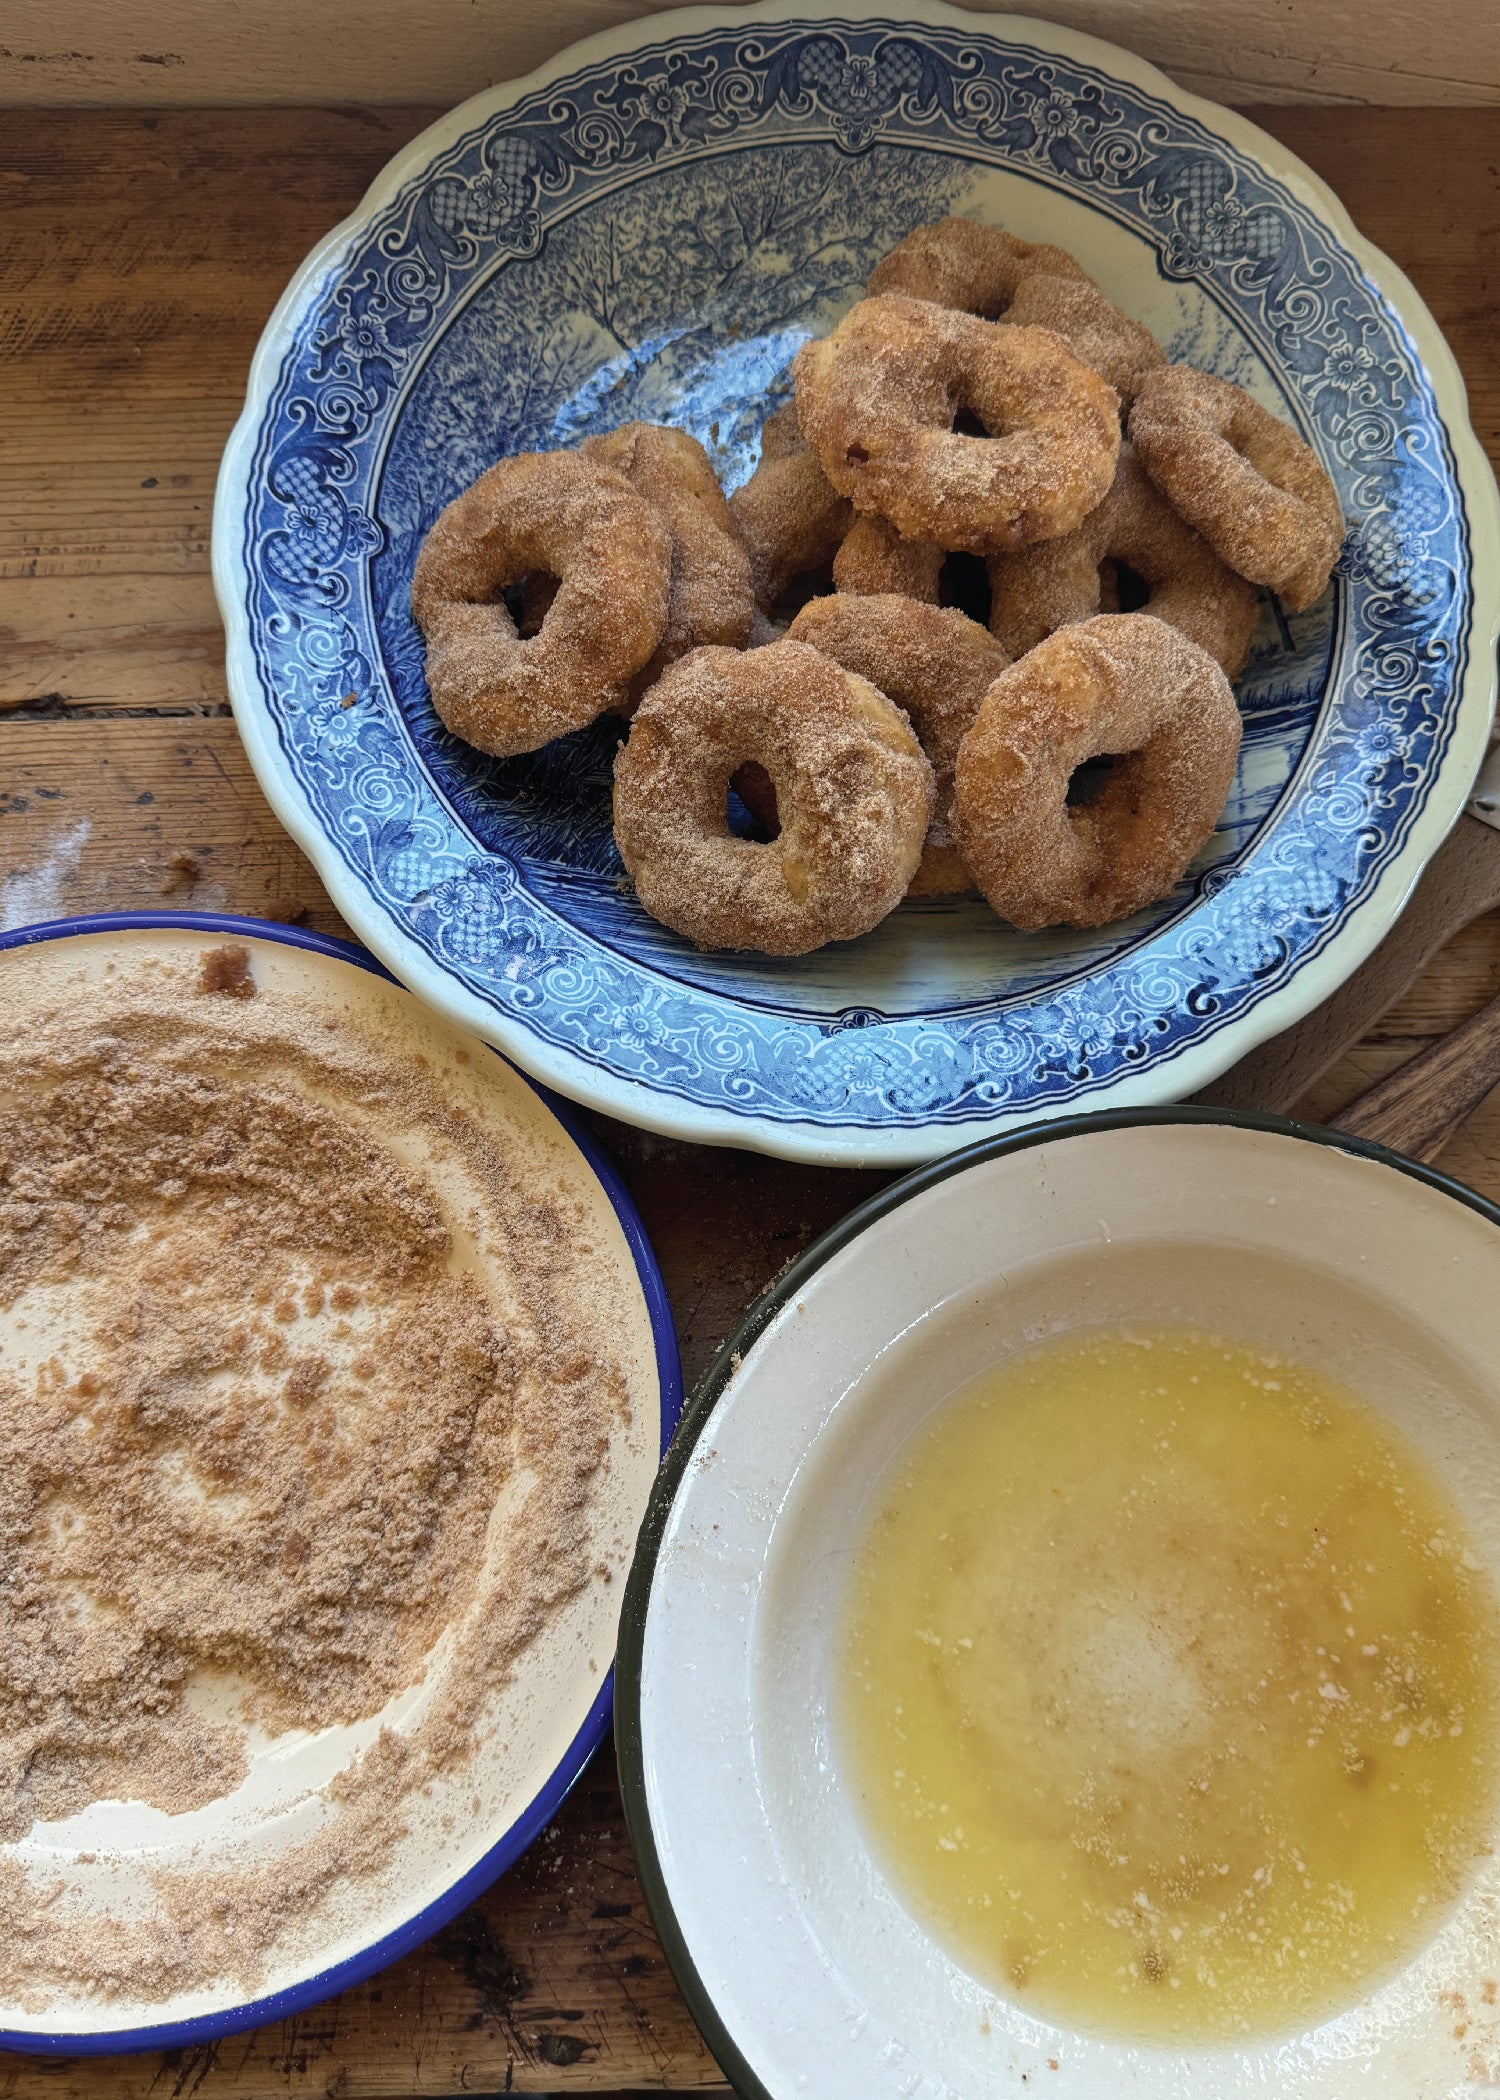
(986,271)
(876,401)
(1124,685)
(540,513)
(788,514)
(854,797)
(874,560)
(1061,581)
(710,597)
(1245,479)
(1108,340)
(962,263)
(935,663)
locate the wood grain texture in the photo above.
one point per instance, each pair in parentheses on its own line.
(1461,882)
(180,51)
(1417,1109)
(139,256)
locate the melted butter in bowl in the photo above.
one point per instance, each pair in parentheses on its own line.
(1168,1686)
(980,1672)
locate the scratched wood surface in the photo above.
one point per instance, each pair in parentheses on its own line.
(96,51)
(139,256)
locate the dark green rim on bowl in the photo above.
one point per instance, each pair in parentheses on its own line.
(705,1397)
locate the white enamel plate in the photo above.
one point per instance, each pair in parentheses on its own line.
(803,1963)
(534,1733)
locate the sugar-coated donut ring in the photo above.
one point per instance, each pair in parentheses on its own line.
(789,515)
(874,560)
(1060,581)
(1124,685)
(854,797)
(781,433)
(711,598)
(549,513)
(1108,340)
(935,663)
(961,263)
(876,401)
(986,271)
(1245,479)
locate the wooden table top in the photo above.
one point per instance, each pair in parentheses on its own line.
(139,257)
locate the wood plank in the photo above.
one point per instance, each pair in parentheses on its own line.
(92,51)
(148,815)
(139,259)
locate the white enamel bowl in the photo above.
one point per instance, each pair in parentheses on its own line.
(805,1968)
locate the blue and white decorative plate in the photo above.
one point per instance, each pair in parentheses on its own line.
(649,228)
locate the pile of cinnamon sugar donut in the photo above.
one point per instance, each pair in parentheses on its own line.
(985,400)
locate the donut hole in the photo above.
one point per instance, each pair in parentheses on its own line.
(528,600)
(1121,588)
(1089,781)
(967,423)
(751,808)
(964,584)
(857,456)
(806,585)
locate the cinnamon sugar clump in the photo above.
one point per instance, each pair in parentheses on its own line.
(227,970)
(281,1331)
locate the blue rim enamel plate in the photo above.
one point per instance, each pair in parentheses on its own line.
(536,1733)
(650,227)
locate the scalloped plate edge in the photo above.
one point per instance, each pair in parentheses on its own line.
(856,1145)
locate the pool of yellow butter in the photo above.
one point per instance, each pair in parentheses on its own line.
(1168,1687)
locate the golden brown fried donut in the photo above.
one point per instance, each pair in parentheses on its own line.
(711,599)
(875,560)
(877,400)
(985,271)
(854,795)
(935,663)
(790,517)
(1126,686)
(1052,585)
(961,263)
(1245,479)
(1108,340)
(548,513)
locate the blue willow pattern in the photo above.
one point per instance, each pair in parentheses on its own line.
(655,235)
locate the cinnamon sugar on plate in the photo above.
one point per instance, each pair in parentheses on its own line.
(302,1423)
